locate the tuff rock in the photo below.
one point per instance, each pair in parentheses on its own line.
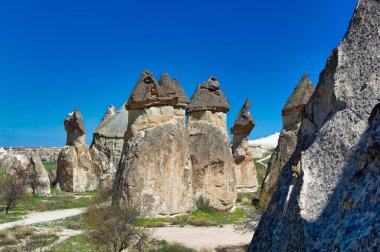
(107,145)
(245,169)
(332,202)
(209,147)
(291,121)
(74,165)
(209,97)
(148,92)
(155,168)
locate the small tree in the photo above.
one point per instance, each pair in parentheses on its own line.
(116,226)
(11,191)
(32,179)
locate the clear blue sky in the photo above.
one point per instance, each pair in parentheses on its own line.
(58,55)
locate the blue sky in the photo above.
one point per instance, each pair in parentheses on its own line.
(58,55)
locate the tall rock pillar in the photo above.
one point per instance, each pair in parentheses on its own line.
(245,169)
(155,169)
(74,166)
(210,146)
(287,142)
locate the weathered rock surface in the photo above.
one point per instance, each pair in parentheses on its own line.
(291,121)
(148,92)
(107,145)
(210,148)
(245,169)
(209,97)
(155,168)
(38,175)
(333,203)
(74,165)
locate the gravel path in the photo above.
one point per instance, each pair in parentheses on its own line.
(203,237)
(39,217)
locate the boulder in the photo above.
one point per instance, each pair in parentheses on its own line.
(245,169)
(74,165)
(327,197)
(210,147)
(291,121)
(38,176)
(155,168)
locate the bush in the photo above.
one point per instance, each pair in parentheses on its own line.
(202,221)
(203,204)
(166,247)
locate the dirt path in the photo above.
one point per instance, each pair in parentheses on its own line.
(264,159)
(189,236)
(39,217)
(203,237)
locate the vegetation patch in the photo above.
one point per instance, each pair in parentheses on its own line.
(78,243)
(164,246)
(49,165)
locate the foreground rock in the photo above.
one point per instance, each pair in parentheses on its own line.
(209,145)
(155,168)
(107,145)
(332,202)
(245,169)
(291,121)
(74,165)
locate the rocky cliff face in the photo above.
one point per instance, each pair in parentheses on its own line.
(209,146)
(331,202)
(107,145)
(291,120)
(155,168)
(245,169)
(74,165)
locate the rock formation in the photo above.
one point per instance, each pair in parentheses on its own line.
(291,121)
(245,169)
(329,200)
(47,154)
(155,168)
(107,145)
(37,175)
(74,165)
(209,145)
(30,172)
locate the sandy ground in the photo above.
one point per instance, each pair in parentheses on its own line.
(203,237)
(39,217)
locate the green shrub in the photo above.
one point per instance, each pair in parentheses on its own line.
(202,221)
(166,247)
(203,204)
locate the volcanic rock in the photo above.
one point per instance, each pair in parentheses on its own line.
(210,148)
(155,169)
(291,121)
(331,201)
(107,145)
(209,97)
(74,165)
(245,169)
(148,92)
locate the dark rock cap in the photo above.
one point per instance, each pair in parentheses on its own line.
(148,92)
(244,122)
(301,93)
(208,96)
